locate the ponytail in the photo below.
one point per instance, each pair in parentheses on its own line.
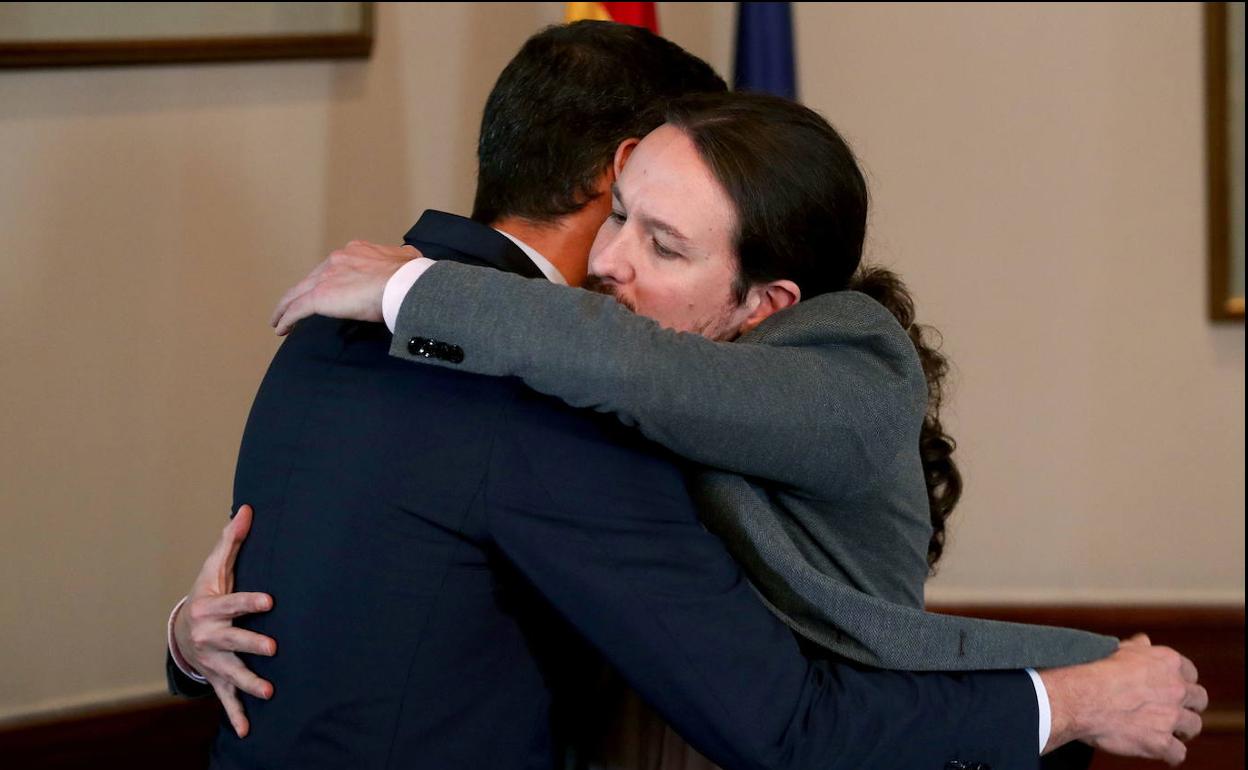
(940,472)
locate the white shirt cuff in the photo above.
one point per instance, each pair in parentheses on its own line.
(1046,713)
(178,660)
(398,286)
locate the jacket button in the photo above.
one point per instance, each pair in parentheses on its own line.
(419,346)
(427,348)
(451,353)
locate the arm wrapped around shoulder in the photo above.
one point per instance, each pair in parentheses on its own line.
(813,398)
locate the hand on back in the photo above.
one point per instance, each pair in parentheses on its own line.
(204,631)
(349,283)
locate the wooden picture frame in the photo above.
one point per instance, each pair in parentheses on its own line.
(183,35)
(1224,116)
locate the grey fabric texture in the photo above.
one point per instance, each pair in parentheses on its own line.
(807,428)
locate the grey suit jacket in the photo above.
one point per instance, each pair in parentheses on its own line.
(808,427)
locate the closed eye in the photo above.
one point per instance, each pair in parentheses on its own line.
(663,251)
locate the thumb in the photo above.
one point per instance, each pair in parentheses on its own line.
(233,538)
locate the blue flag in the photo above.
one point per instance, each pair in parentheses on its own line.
(765,49)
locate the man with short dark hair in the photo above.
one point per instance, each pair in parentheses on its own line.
(554,118)
(437,543)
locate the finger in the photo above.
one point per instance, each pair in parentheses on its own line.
(1188,726)
(1175,752)
(215,609)
(244,679)
(299,308)
(1187,670)
(240,525)
(1139,640)
(242,640)
(233,709)
(238,604)
(209,578)
(1197,698)
(299,289)
(303,287)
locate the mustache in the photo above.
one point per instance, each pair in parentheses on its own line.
(597,285)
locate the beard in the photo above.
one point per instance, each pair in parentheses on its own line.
(718,326)
(597,285)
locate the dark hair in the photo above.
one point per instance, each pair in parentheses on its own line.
(564,104)
(801,199)
(801,204)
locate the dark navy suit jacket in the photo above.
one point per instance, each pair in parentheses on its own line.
(439,545)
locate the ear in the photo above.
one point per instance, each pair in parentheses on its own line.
(602,188)
(769,299)
(621,154)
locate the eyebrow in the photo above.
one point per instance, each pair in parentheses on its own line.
(656,224)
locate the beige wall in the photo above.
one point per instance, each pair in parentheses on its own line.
(1037,176)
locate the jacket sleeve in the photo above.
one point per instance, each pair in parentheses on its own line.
(181,684)
(607,534)
(818,398)
(835,371)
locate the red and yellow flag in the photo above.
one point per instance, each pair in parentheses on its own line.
(637,14)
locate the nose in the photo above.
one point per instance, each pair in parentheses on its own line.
(611,257)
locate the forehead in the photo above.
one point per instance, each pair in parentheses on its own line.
(666,179)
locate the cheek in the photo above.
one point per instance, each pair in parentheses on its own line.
(712,307)
(684,300)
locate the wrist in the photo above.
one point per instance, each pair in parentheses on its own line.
(175,652)
(1066,723)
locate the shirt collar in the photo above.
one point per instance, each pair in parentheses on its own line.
(549,270)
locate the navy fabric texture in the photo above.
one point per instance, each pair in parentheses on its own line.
(441,546)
